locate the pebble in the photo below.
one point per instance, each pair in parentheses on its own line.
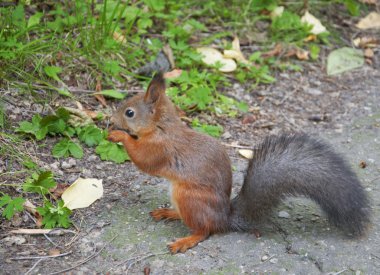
(92,158)
(283,214)
(8,241)
(69,164)
(54,165)
(313,91)
(226,135)
(264,258)
(87,173)
(273,260)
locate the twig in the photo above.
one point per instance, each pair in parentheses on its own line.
(51,241)
(238,146)
(27,231)
(40,257)
(33,267)
(85,260)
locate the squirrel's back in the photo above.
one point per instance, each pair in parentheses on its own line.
(297,164)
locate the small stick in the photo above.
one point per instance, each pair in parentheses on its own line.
(33,267)
(85,260)
(28,231)
(40,257)
(238,146)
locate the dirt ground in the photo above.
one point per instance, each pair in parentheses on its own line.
(117,236)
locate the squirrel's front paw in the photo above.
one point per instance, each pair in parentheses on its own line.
(116,136)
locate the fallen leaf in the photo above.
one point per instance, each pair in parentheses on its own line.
(366,42)
(211,56)
(58,190)
(371,21)
(312,20)
(169,55)
(311,37)
(173,74)
(82,193)
(119,37)
(235,53)
(277,12)
(54,252)
(276,51)
(344,59)
(248,154)
(299,53)
(369,53)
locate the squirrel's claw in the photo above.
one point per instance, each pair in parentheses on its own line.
(116,136)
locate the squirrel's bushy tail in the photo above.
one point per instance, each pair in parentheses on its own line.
(294,165)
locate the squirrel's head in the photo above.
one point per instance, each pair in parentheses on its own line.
(142,114)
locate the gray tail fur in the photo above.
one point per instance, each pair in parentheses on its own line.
(298,165)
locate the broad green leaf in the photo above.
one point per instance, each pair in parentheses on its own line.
(34,19)
(91,135)
(55,216)
(66,147)
(40,183)
(111,151)
(12,206)
(344,59)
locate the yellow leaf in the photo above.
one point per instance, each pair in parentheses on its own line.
(248,154)
(371,21)
(312,20)
(82,193)
(211,56)
(277,11)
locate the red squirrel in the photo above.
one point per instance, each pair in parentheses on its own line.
(199,171)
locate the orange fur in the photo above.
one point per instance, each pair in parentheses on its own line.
(165,214)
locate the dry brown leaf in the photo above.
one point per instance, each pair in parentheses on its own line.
(369,2)
(299,53)
(169,55)
(58,190)
(54,252)
(119,37)
(276,51)
(173,74)
(369,53)
(311,37)
(371,21)
(366,42)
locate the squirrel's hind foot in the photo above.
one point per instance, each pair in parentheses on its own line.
(183,244)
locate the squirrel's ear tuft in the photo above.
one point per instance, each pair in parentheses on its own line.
(155,89)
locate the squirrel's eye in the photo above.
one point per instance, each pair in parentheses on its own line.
(130,113)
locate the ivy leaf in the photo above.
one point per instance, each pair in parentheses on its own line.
(55,216)
(111,151)
(40,183)
(91,135)
(12,206)
(66,147)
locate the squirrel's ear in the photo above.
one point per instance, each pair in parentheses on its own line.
(155,89)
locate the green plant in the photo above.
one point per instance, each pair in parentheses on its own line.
(11,206)
(212,130)
(55,216)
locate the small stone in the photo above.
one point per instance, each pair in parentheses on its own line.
(87,173)
(283,214)
(65,165)
(8,241)
(273,260)
(92,158)
(226,135)
(313,91)
(72,162)
(264,258)
(54,165)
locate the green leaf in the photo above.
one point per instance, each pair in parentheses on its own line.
(35,128)
(91,135)
(353,7)
(314,51)
(112,93)
(12,206)
(34,19)
(66,147)
(111,151)
(53,71)
(155,5)
(344,59)
(212,130)
(40,183)
(55,216)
